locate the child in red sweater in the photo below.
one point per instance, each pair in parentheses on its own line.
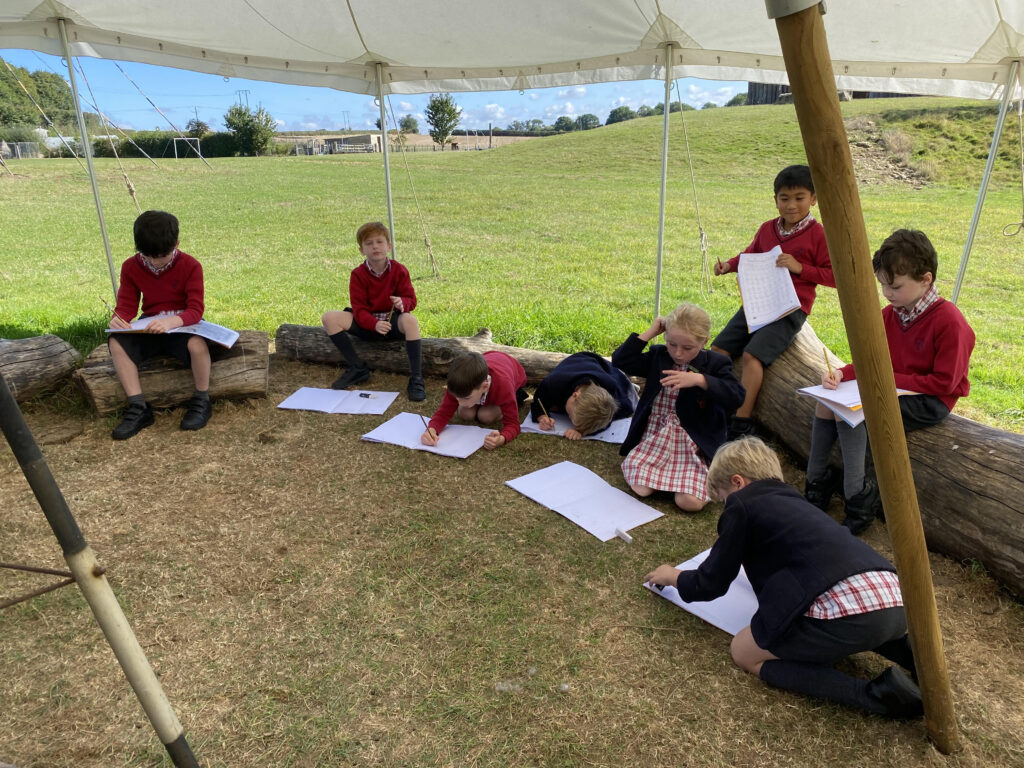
(382,299)
(170,284)
(483,387)
(930,345)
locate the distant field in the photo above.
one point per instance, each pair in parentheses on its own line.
(550,243)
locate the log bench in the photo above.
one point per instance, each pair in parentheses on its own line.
(237,373)
(37,364)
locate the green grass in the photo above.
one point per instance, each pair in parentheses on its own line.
(551,243)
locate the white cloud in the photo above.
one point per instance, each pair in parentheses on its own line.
(577,92)
(533,96)
(406,106)
(560,108)
(494,111)
(279,123)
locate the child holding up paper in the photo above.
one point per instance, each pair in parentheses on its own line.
(681,418)
(484,388)
(805,255)
(930,345)
(589,390)
(822,595)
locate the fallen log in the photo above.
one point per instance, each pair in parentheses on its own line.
(969,477)
(37,364)
(237,373)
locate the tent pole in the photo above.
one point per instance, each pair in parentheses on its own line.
(89,575)
(664,176)
(1008,90)
(387,162)
(87,151)
(805,51)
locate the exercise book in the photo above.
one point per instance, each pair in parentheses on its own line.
(844,400)
(584,498)
(731,612)
(405,429)
(215,333)
(766,290)
(614,433)
(334,401)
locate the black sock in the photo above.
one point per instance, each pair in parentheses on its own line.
(343,342)
(820,682)
(202,394)
(414,349)
(139,399)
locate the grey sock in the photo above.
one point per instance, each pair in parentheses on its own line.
(823,437)
(854,443)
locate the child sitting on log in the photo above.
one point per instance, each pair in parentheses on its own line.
(382,298)
(483,387)
(822,595)
(170,285)
(589,390)
(684,408)
(930,345)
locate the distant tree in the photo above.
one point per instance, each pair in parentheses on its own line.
(646,111)
(517,126)
(535,125)
(54,96)
(709,105)
(253,131)
(620,114)
(587,122)
(15,106)
(408,124)
(564,124)
(442,115)
(377,123)
(196,128)
(739,100)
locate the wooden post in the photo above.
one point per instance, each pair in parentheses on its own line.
(805,50)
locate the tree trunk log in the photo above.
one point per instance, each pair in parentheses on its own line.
(237,373)
(969,477)
(312,345)
(34,365)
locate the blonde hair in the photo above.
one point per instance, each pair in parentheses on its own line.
(747,457)
(594,409)
(691,319)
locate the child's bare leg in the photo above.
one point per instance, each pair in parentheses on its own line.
(823,412)
(751,379)
(689,503)
(641,490)
(126,370)
(747,654)
(199,353)
(468,412)
(488,414)
(408,325)
(336,321)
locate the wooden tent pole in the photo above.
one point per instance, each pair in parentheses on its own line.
(805,50)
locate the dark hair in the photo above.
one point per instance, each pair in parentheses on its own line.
(372,228)
(466,372)
(793,176)
(156,233)
(906,252)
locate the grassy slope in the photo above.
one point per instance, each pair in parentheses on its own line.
(550,243)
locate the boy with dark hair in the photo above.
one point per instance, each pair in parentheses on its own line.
(930,345)
(169,283)
(589,390)
(382,299)
(822,595)
(805,255)
(483,387)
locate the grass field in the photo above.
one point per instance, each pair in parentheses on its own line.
(551,243)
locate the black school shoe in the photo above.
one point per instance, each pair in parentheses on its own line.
(351,377)
(820,492)
(897,694)
(862,508)
(416,389)
(134,419)
(197,413)
(740,426)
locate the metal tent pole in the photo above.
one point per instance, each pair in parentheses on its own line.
(1008,90)
(387,162)
(87,151)
(664,176)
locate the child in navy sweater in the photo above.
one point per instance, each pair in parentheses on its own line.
(589,390)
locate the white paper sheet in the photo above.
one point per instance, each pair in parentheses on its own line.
(215,333)
(405,429)
(844,400)
(359,401)
(767,290)
(614,433)
(731,612)
(584,498)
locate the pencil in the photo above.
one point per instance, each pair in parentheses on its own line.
(542,408)
(824,351)
(107,305)
(426,426)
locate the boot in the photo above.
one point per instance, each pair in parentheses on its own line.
(740,426)
(820,492)
(862,508)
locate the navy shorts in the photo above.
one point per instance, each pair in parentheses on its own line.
(371,335)
(143,346)
(766,343)
(920,411)
(826,641)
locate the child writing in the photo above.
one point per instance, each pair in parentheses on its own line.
(382,299)
(681,418)
(589,390)
(930,345)
(805,255)
(486,388)
(822,595)
(169,283)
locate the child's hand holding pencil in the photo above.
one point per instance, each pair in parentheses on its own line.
(429,437)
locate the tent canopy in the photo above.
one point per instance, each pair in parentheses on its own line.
(941,47)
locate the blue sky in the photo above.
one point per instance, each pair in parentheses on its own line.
(183,95)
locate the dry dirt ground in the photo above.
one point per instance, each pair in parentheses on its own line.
(309,599)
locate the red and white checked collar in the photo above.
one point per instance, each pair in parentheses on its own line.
(861,593)
(387,266)
(907,316)
(804,223)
